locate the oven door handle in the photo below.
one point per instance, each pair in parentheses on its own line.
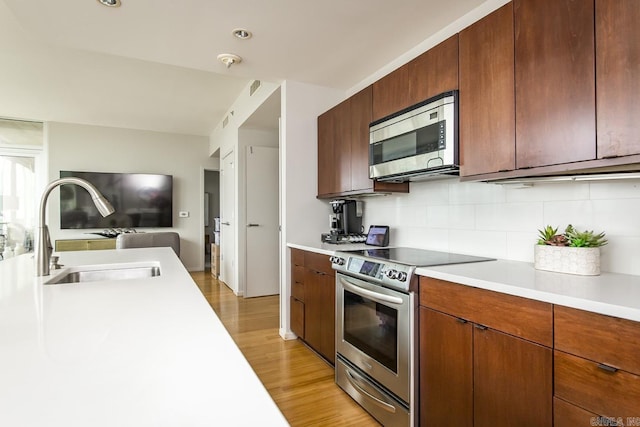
(375,296)
(384,405)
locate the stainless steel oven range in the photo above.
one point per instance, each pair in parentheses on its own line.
(376,327)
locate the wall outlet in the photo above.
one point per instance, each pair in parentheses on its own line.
(183,214)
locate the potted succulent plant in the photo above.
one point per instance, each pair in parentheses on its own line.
(573,252)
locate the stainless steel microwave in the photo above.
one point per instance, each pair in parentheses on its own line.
(416,143)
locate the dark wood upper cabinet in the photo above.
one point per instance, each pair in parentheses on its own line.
(618,77)
(391,93)
(343,150)
(554,82)
(361,114)
(434,72)
(487,99)
(334,150)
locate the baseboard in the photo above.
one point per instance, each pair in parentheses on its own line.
(286,334)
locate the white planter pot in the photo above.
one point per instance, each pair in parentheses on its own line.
(563,259)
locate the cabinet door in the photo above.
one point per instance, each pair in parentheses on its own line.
(487,100)
(446,370)
(319,313)
(334,150)
(297,317)
(568,415)
(391,93)
(312,309)
(617,74)
(512,381)
(434,72)
(555,82)
(361,113)
(328,310)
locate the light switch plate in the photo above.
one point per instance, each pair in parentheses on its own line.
(183,214)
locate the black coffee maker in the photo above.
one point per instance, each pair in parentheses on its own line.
(345,222)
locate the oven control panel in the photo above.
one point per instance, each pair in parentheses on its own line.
(386,273)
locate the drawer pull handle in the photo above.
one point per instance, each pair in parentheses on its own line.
(481,327)
(461,320)
(607,368)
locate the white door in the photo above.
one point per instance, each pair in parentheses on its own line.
(227,222)
(263,228)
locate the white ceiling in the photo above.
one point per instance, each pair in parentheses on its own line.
(151,64)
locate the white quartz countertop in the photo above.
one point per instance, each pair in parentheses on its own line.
(609,293)
(143,352)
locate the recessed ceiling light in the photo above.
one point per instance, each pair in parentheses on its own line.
(110,3)
(229,59)
(241,33)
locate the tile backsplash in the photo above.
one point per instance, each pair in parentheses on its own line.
(502,221)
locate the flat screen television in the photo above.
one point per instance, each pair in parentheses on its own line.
(140,200)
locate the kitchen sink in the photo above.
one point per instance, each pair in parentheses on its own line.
(116,273)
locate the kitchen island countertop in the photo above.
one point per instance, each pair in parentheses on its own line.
(611,294)
(143,352)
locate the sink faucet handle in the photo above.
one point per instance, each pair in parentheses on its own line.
(53,263)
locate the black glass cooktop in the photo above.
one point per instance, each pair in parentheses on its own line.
(417,257)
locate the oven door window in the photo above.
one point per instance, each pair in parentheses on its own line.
(372,328)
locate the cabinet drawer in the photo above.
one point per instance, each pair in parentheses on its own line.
(568,415)
(297,282)
(522,317)
(604,339)
(318,262)
(297,317)
(583,383)
(297,257)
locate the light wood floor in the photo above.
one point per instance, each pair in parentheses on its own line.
(299,381)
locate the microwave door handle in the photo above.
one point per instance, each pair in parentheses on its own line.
(375,296)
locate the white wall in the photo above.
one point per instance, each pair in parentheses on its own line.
(304,217)
(104,149)
(502,221)
(222,141)
(484,8)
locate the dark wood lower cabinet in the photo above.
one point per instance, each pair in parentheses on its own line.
(601,388)
(568,415)
(313,300)
(446,370)
(474,375)
(319,313)
(297,317)
(512,381)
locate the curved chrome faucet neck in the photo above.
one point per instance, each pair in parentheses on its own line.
(43,240)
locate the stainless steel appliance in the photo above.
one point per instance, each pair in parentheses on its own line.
(345,222)
(376,327)
(416,143)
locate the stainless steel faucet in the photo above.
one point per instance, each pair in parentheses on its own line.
(43,240)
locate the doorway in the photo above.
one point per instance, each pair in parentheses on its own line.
(211,214)
(263,228)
